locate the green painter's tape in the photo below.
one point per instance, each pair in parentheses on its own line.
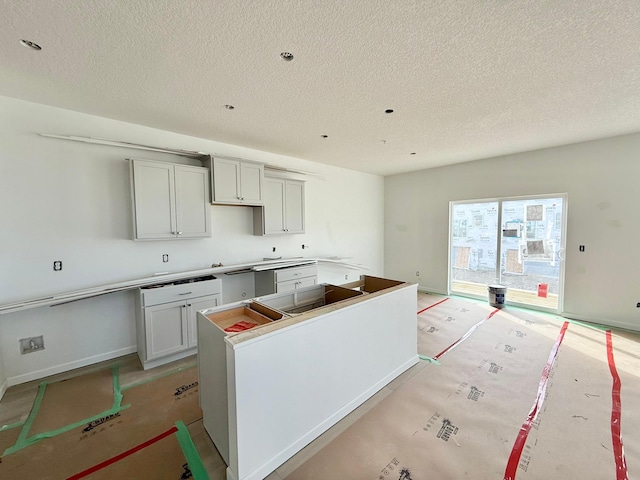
(30,419)
(162,375)
(4,428)
(429,359)
(190,453)
(23,439)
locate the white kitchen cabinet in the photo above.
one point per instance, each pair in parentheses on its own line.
(236,182)
(285,279)
(283,210)
(166,318)
(170,201)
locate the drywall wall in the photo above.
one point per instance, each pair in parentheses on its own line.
(70,201)
(601,180)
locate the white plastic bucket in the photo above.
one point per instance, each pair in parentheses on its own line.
(497,294)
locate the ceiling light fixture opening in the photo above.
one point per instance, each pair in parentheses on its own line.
(229,107)
(30,44)
(324,136)
(388,111)
(286,56)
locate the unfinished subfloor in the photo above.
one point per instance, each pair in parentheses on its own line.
(505,393)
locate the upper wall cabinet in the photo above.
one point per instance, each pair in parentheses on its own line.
(283,210)
(170,201)
(236,182)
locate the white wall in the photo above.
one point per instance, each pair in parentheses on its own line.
(70,201)
(601,180)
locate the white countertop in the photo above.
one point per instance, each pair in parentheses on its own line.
(70,296)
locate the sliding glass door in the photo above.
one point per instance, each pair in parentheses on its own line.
(515,242)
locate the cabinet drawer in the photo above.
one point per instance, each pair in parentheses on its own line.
(295,273)
(182,291)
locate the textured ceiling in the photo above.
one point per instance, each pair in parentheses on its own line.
(466,79)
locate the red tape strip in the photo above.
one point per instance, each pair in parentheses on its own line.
(464,337)
(117,458)
(616,414)
(521,439)
(431,306)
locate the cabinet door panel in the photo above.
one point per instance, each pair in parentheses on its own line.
(226,180)
(193,217)
(154,200)
(274,212)
(165,329)
(294,220)
(193,306)
(251,179)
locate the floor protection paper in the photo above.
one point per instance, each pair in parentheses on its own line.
(148,410)
(461,418)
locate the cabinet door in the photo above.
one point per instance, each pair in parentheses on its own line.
(165,329)
(226,180)
(193,217)
(294,207)
(153,199)
(193,306)
(251,180)
(274,213)
(289,285)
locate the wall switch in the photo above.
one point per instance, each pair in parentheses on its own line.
(57,265)
(31,344)
(165,258)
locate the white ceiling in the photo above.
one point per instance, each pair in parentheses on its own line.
(467,79)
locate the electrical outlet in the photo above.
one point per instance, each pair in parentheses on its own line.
(57,265)
(31,344)
(417,273)
(274,249)
(638,305)
(165,258)
(581,248)
(346,277)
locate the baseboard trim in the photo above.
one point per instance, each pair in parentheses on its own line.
(432,290)
(65,367)
(3,388)
(599,321)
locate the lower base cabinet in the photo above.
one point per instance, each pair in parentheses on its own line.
(308,358)
(166,322)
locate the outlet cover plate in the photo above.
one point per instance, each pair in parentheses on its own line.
(31,344)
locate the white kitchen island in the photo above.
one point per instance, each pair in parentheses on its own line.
(315,355)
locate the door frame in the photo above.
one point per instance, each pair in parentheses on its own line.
(561,251)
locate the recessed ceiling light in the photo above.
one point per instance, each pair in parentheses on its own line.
(388,111)
(30,44)
(412,153)
(229,107)
(286,56)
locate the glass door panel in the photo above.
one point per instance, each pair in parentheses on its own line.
(531,246)
(474,252)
